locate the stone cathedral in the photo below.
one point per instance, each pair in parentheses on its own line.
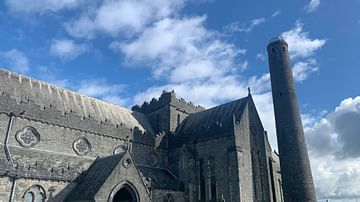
(58,145)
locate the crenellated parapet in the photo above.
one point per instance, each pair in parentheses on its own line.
(23,90)
(168,98)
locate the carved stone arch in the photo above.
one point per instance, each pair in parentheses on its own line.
(35,193)
(123,189)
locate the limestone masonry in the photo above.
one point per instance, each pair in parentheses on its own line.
(58,145)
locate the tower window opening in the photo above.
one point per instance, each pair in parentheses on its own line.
(178,120)
(283,48)
(202,181)
(273,50)
(213,179)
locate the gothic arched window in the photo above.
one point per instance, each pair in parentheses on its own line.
(29,197)
(178,120)
(168,198)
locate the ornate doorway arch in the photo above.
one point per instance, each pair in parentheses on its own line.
(124,192)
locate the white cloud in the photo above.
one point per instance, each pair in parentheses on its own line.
(206,93)
(67,49)
(16,60)
(245,27)
(259,84)
(41,6)
(101,89)
(312,6)
(334,151)
(276,13)
(249,25)
(303,69)
(261,56)
(300,45)
(181,50)
(83,27)
(126,17)
(98,88)
(302,51)
(48,74)
(243,65)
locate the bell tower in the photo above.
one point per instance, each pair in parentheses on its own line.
(296,175)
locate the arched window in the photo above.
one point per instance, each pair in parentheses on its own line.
(35,194)
(29,197)
(124,192)
(178,120)
(212,171)
(168,198)
(202,187)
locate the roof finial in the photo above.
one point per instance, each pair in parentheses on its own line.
(249,90)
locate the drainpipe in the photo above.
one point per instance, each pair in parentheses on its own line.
(12,193)
(7,151)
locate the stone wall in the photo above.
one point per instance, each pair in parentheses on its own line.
(4,122)
(242,182)
(49,189)
(276,177)
(177,115)
(159,119)
(5,188)
(259,156)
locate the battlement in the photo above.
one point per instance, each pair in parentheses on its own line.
(24,90)
(168,98)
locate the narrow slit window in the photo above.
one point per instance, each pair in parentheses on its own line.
(178,120)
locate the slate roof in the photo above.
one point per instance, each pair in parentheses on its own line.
(24,89)
(209,123)
(161,178)
(90,182)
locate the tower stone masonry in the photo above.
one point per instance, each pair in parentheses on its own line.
(297,181)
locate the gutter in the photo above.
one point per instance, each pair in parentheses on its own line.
(12,192)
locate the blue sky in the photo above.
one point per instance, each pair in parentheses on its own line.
(209,52)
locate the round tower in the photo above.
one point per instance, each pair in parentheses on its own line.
(297,181)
